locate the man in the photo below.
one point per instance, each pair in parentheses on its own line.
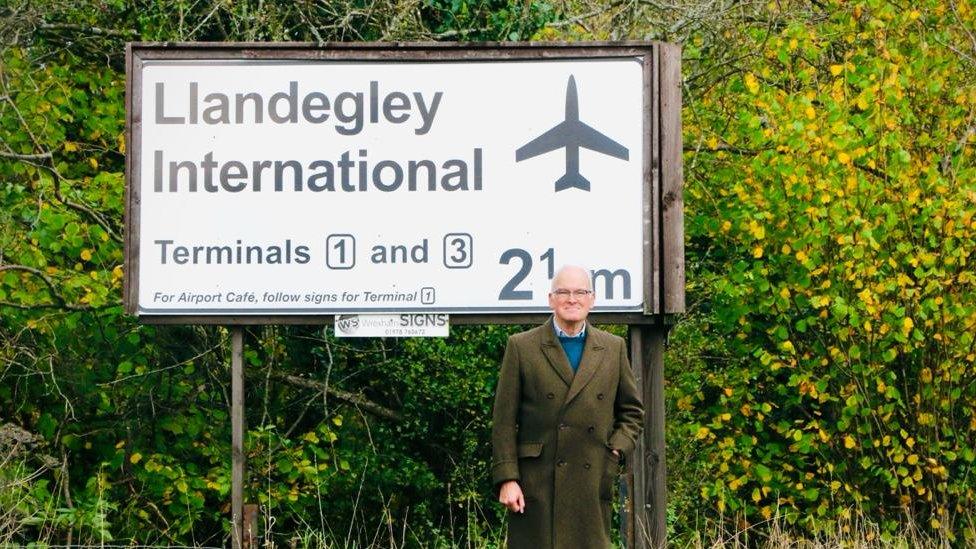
(566,413)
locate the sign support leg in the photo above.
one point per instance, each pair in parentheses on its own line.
(649,471)
(655,474)
(631,513)
(237,436)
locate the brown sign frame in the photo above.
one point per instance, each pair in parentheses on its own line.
(663,272)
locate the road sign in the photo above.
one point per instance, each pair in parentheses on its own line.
(295,182)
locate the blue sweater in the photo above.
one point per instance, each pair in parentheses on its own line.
(573,347)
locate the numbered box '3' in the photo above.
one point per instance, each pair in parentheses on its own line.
(458,250)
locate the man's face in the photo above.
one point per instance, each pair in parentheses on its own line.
(572,307)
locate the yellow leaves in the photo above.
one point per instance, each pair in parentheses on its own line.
(702,433)
(788,347)
(785,293)
(844,158)
(807,388)
(912,459)
(135,458)
(70,146)
(801,256)
(820,301)
(86,254)
(93,162)
(834,485)
(757,252)
(756,230)
(726,225)
(727,391)
(810,112)
(866,296)
(117,272)
(751,83)
(311,437)
(849,442)
(881,386)
(925,375)
(835,70)
(906,325)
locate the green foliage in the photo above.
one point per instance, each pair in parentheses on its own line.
(831,205)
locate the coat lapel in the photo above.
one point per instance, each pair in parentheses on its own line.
(589,363)
(555,354)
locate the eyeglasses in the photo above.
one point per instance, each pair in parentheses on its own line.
(563,293)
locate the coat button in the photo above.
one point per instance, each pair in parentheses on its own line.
(599,396)
(551,396)
(586,465)
(563,426)
(560,464)
(589,429)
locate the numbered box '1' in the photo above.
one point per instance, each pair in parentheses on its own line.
(340,251)
(458,250)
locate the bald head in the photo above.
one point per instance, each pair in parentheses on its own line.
(572,275)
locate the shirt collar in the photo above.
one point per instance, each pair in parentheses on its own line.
(561,333)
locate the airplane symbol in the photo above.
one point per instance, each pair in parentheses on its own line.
(572,134)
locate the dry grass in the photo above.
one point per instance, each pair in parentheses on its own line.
(856,533)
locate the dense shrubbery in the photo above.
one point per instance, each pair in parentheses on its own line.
(832,208)
(825,369)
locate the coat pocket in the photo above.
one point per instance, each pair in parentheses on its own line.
(608,482)
(529,449)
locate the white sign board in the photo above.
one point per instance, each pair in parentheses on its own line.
(393,325)
(328,187)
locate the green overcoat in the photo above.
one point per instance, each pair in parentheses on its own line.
(553,432)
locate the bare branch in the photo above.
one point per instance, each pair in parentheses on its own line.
(85,29)
(27,157)
(345,396)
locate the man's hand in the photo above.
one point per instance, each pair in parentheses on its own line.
(511,497)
